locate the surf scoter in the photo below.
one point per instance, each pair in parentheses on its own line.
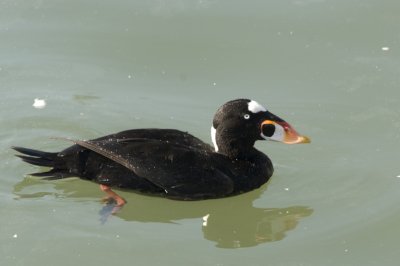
(172,163)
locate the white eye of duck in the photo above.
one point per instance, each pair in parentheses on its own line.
(246,116)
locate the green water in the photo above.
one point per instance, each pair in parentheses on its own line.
(330,68)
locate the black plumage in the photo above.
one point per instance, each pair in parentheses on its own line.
(175,164)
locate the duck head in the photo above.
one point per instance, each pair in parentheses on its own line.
(238,124)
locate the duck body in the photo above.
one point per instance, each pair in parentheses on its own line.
(173,163)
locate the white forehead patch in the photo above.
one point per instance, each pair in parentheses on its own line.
(255,107)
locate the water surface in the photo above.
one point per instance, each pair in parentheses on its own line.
(330,68)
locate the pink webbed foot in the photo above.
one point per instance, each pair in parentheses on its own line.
(112,196)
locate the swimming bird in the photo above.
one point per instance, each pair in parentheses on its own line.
(172,163)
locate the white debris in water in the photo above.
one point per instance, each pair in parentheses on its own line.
(215,84)
(129,76)
(286,188)
(385,48)
(398,176)
(39,103)
(15,236)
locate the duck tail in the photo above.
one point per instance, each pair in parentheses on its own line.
(42,158)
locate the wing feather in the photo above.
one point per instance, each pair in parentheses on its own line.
(182,171)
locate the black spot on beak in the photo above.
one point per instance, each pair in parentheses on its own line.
(268,130)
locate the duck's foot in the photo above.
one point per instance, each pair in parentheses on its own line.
(108,210)
(113,198)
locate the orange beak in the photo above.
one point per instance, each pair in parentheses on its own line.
(283,132)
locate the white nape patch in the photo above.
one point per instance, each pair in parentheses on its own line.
(214,138)
(255,107)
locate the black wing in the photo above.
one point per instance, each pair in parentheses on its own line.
(169,135)
(183,172)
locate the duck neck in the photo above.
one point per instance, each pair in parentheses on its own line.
(233,147)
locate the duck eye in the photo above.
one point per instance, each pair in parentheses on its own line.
(268,130)
(246,116)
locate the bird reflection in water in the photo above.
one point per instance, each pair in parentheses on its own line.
(229,222)
(252,226)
